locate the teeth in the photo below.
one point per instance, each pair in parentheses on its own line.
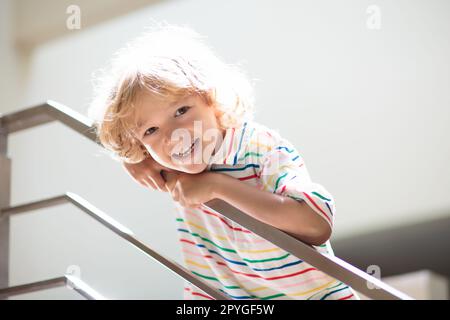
(187,150)
(185,153)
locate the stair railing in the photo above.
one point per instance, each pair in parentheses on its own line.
(52,111)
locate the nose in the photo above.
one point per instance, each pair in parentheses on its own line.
(168,141)
(175,136)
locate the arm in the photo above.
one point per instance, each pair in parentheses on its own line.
(292,216)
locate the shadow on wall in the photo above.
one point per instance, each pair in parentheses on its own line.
(400,250)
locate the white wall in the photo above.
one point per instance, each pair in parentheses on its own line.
(368,110)
(9,60)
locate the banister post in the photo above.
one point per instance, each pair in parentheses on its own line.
(5,185)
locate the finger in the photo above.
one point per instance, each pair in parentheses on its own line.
(159,182)
(148,184)
(151,184)
(177,200)
(130,173)
(170,185)
(139,181)
(175,195)
(155,186)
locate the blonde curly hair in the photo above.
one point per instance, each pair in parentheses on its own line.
(170,61)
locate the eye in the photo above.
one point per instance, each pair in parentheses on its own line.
(181,111)
(149,131)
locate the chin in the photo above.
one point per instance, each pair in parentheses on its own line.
(193,169)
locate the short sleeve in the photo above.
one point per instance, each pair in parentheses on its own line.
(282,170)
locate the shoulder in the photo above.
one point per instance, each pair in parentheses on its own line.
(258,144)
(264,139)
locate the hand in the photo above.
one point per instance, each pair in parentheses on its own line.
(147,173)
(192,190)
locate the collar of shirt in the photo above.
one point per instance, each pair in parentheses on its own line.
(233,146)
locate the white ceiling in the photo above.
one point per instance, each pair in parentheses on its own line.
(39,21)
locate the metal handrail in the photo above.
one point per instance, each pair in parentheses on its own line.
(333,266)
(44,113)
(67,280)
(118,229)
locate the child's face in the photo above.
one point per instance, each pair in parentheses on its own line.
(180,135)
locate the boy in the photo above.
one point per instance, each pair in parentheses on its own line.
(168,103)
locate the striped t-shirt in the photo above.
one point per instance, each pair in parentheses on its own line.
(238,262)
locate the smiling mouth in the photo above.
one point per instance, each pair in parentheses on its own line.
(188,151)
